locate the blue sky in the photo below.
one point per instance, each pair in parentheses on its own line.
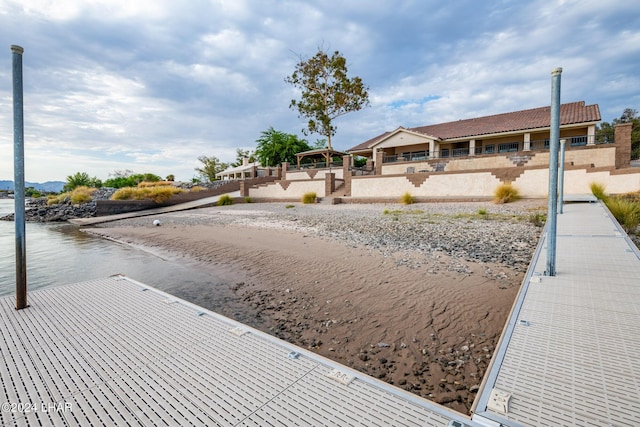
(151,85)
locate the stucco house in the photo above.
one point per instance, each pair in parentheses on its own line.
(469,159)
(431,148)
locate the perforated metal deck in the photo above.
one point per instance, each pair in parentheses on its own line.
(115,352)
(570,354)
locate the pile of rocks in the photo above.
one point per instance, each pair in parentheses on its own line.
(37,210)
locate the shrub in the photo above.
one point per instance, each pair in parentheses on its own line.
(289,206)
(247,199)
(538,219)
(598,190)
(407,199)
(55,199)
(308,198)
(225,200)
(197,188)
(144,184)
(81,195)
(506,193)
(157,194)
(625,211)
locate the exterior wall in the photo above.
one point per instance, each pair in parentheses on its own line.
(441,185)
(404,139)
(289,189)
(623,142)
(532,183)
(295,175)
(598,156)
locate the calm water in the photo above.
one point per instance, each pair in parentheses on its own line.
(60,254)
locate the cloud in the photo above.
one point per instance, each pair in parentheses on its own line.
(152,85)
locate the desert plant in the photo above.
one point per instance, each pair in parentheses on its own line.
(247,199)
(506,193)
(309,198)
(626,212)
(598,190)
(144,184)
(81,195)
(197,188)
(289,206)
(538,219)
(225,200)
(157,194)
(407,199)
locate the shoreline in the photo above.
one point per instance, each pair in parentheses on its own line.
(414,295)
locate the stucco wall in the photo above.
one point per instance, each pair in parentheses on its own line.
(289,189)
(599,156)
(315,173)
(532,183)
(468,184)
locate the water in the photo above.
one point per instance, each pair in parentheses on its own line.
(58,253)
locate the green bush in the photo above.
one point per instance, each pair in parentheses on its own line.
(247,199)
(407,199)
(309,198)
(506,193)
(289,206)
(627,212)
(225,200)
(598,190)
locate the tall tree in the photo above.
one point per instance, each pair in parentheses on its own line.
(242,154)
(275,147)
(210,167)
(327,92)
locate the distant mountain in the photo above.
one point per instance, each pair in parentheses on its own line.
(49,186)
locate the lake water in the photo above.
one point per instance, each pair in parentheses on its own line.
(58,253)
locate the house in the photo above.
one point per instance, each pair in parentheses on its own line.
(432,148)
(469,159)
(245,171)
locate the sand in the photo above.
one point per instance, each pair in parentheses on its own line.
(421,326)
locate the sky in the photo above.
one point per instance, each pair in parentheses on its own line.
(151,85)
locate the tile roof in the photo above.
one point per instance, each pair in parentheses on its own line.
(570,113)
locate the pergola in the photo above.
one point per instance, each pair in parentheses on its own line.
(320,153)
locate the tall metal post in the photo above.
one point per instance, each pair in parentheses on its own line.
(18,180)
(552,211)
(561,178)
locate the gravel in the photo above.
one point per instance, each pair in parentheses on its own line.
(474,231)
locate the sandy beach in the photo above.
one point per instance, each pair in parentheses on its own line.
(414,295)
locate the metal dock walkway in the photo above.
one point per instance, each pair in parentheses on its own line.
(570,352)
(115,352)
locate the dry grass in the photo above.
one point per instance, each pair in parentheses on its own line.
(77,196)
(407,199)
(146,184)
(597,190)
(506,193)
(309,198)
(157,194)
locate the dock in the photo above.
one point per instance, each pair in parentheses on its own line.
(117,352)
(570,352)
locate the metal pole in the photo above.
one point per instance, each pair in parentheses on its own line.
(18,180)
(553,172)
(561,178)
